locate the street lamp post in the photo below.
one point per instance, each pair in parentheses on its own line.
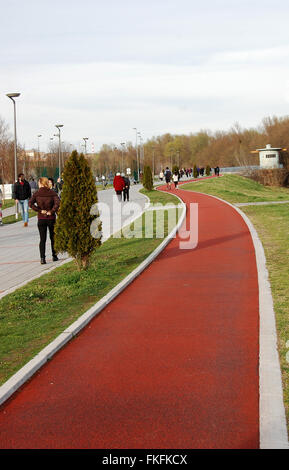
(122,150)
(85,140)
(11,96)
(38,146)
(153,162)
(136,147)
(59,147)
(140,151)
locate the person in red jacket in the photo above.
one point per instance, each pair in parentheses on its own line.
(118,184)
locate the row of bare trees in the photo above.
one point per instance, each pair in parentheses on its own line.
(38,164)
(222,148)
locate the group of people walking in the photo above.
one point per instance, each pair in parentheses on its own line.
(121,184)
(44,199)
(168,176)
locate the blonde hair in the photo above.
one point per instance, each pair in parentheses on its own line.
(44,181)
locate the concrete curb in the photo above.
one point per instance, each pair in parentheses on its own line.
(272,426)
(26,372)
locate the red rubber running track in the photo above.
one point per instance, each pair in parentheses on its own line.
(171,363)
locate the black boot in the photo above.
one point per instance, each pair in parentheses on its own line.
(55,258)
(42,261)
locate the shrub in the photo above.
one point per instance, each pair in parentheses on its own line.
(208,170)
(147,178)
(195,171)
(73,224)
(270,177)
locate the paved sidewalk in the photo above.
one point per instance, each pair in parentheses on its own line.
(171,363)
(19,246)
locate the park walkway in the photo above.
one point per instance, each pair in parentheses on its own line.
(19,246)
(171,363)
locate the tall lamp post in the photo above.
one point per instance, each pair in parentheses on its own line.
(38,137)
(153,162)
(59,147)
(85,140)
(141,151)
(51,148)
(122,150)
(136,147)
(11,96)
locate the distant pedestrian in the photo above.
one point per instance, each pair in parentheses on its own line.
(161,175)
(118,184)
(168,176)
(33,185)
(22,194)
(103,181)
(176,179)
(126,187)
(46,203)
(59,186)
(51,184)
(217,171)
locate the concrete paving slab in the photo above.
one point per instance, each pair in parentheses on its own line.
(19,245)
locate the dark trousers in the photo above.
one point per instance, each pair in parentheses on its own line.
(43,224)
(126,194)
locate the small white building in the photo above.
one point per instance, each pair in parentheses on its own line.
(270,157)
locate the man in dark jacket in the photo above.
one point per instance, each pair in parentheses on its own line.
(22,194)
(126,187)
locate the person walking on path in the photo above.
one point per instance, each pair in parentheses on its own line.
(118,184)
(126,187)
(46,202)
(176,179)
(22,194)
(51,184)
(168,176)
(33,185)
(58,186)
(161,176)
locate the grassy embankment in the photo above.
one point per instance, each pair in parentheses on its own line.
(34,315)
(272,225)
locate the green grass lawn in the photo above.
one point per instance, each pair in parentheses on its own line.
(11,219)
(234,189)
(8,203)
(34,315)
(272,225)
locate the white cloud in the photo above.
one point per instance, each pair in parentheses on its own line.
(164,66)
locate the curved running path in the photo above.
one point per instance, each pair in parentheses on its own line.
(171,363)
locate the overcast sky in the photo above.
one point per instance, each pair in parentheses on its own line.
(102,67)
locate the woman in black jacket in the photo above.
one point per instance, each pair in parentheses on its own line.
(46,202)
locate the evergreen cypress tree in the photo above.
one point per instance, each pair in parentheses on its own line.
(195,171)
(148,178)
(208,170)
(73,224)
